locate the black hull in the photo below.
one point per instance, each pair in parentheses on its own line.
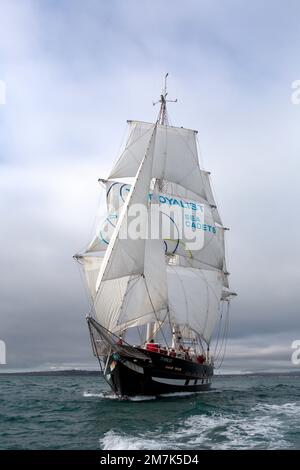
(156,375)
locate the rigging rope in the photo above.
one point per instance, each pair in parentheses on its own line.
(220,355)
(165,340)
(100,362)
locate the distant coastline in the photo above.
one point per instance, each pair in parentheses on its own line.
(66,372)
(82,372)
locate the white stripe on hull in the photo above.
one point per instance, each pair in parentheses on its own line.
(169,381)
(180,381)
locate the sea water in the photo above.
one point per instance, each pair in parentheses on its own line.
(80,412)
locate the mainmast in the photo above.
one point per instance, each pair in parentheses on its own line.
(152,327)
(163,115)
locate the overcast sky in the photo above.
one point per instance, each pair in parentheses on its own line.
(74,73)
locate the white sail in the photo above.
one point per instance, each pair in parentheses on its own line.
(103,234)
(116,195)
(194,298)
(125,255)
(146,299)
(137,299)
(92,265)
(176,218)
(108,301)
(135,149)
(210,197)
(175,156)
(212,254)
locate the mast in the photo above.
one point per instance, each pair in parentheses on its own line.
(163,115)
(162,119)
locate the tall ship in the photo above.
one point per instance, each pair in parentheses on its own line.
(156,269)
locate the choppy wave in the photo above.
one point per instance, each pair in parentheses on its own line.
(265,426)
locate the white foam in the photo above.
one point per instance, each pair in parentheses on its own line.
(115,441)
(113,396)
(289,409)
(103,395)
(141,398)
(263,428)
(88,394)
(137,398)
(259,430)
